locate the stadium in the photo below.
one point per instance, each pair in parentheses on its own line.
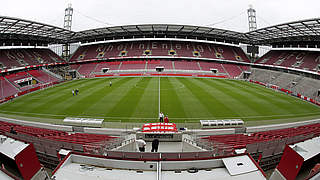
(212,103)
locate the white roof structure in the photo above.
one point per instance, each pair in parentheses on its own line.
(86,167)
(11,147)
(307,149)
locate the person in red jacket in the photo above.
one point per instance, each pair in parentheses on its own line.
(166,120)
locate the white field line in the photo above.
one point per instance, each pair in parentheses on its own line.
(159,96)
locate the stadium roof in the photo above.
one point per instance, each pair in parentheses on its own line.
(292,32)
(159,31)
(15,30)
(20,31)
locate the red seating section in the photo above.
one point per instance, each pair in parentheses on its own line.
(11,58)
(152,64)
(186,65)
(238,141)
(233,70)
(132,65)
(110,65)
(17,76)
(196,67)
(309,60)
(54,135)
(86,69)
(42,76)
(159,48)
(7,89)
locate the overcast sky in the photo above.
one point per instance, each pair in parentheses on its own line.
(226,14)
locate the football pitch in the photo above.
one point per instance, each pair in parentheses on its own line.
(139,99)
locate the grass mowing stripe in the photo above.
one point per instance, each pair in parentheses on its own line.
(241,103)
(262,104)
(128,103)
(192,105)
(62,99)
(148,103)
(214,105)
(102,98)
(87,98)
(170,102)
(291,105)
(36,97)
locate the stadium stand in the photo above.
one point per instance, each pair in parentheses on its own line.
(152,64)
(233,70)
(7,89)
(127,65)
(159,48)
(111,65)
(186,65)
(17,76)
(265,146)
(86,69)
(177,67)
(42,76)
(12,58)
(298,84)
(299,59)
(48,142)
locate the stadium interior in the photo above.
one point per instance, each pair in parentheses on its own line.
(87,148)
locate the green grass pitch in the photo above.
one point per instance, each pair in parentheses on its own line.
(136,99)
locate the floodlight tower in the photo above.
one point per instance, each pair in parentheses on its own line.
(67,25)
(252,18)
(252,26)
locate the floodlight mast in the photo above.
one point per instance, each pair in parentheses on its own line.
(252,18)
(252,26)
(67,25)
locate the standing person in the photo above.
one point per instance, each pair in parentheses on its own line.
(141,145)
(166,120)
(72,92)
(161,117)
(77,91)
(155,145)
(110,83)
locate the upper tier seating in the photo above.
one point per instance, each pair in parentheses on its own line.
(307,60)
(159,48)
(11,58)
